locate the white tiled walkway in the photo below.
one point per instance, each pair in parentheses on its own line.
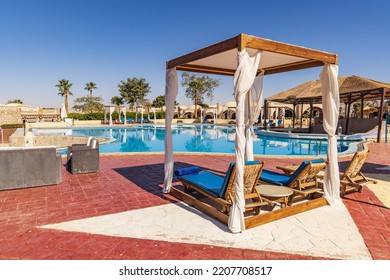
(323,232)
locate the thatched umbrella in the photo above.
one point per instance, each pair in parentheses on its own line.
(351,89)
(354,85)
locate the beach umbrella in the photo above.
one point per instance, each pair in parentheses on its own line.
(64,114)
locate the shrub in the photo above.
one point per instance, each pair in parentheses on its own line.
(15,125)
(115,115)
(87,116)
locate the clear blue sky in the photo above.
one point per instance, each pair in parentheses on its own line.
(112,40)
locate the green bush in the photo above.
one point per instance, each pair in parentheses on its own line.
(87,116)
(115,115)
(15,125)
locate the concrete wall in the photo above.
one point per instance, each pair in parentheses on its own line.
(87,123)
(10,115)
(358,125)
(355,125)
(57,141)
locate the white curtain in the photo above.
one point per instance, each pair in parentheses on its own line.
(274,113)
(112,109)
(105,114)
(154,114)
(122,110)
(243,79)
(171,89)
(64,115)
(252,113)
(331,105)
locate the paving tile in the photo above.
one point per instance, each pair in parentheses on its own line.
(125,184)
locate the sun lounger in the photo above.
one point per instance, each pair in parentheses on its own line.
(221,189)
(303,181)
(352,178)
(129,120)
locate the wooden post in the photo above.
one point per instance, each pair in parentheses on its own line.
(311,114)
(265,113)
(294,108)
(300,126)
(348,113)
(361,105)
(381,116)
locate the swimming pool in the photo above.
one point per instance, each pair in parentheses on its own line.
(197,139)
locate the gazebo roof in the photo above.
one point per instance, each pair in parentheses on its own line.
(351,85)
(277,57)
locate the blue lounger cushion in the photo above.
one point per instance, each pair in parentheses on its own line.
(282,179)
(274,178)
(187,171)
(212,183)
(207,181)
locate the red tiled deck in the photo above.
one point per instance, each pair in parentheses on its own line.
(133,182)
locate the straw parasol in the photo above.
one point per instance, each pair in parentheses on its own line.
(351,89)
(351,85)
(369,109)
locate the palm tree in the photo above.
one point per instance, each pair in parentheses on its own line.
(64,90)
(90,86)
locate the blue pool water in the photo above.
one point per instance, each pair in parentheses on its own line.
(195,139)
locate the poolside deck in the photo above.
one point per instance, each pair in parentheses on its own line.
(120,213)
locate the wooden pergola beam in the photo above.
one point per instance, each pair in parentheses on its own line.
(205,69)
(314,57)
(287,49)
(293,66)
(223,46)
(267,71)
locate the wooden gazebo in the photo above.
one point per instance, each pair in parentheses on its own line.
(224,58)
(351,88)
(277,57)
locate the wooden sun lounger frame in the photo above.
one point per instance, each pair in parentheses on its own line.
(251,173)
(352,178)
(306,182)
(251,193)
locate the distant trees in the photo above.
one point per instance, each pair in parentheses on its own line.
(18,101)
(89,103)
(134,90)
(117,100)
(64,90)
(159,102)
(198,87)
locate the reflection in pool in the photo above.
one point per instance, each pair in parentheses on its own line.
(196,139)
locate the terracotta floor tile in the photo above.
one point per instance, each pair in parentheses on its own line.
(133,182)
